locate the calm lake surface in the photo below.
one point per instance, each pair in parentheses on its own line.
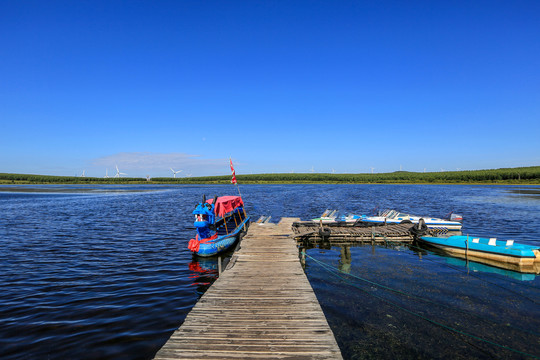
(103,272)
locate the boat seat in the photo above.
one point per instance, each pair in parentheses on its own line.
(476,240)
(509,242)
(492,241)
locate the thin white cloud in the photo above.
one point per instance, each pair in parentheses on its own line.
(160,164)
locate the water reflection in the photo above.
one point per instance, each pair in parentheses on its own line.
(345,259)
(384,298)
(204,271)
(478,267)
(108,267)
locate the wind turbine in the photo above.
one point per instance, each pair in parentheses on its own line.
(333,171)
(372,168)
(312,169)
(106,174)
(83,173)
(175,172)
(118,173)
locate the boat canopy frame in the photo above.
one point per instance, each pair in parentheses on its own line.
(226,204)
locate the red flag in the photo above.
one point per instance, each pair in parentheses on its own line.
(233,180)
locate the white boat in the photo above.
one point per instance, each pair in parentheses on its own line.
(395,217)
(333,216)
(328,216)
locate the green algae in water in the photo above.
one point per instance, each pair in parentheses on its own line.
(371,322)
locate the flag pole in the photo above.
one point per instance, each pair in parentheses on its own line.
(238,187)
(233,180)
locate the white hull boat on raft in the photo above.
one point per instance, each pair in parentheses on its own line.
(333,216)
(395,217)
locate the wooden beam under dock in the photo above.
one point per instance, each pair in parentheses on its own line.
(343,235)
(261,307)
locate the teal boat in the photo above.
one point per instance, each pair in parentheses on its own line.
(489,250)
(219,223)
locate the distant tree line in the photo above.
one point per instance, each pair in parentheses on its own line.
(521,175)
(49,179)
(509,175)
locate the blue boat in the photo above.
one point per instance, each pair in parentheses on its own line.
(219,223)
(520,257)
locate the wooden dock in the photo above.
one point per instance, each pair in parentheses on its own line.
(261,307)
(307,231)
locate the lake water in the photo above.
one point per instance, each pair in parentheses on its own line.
(103,272)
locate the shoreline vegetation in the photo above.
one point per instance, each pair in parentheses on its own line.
(506,176)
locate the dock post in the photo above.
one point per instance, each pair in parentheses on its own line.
(219,265)
(467,247)
(467,253)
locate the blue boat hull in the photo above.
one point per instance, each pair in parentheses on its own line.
(489,251)
(223,242)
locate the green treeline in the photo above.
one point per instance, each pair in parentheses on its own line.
(522,175)
(50,179)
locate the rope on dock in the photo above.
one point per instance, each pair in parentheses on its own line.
(336,272)
(485,280)
(411,246)
(331,268)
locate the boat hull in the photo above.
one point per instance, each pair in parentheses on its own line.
(439,225)
(222,243)
(518,257)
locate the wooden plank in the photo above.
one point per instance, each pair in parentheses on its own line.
(262,307)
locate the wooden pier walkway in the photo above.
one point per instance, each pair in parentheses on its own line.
(261,307)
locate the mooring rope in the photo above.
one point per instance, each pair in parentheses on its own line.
(335,271)
(469,274)
(331,268)
(486,280)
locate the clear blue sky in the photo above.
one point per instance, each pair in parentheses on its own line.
(279,86)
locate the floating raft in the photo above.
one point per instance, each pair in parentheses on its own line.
(346,234)
(261,307)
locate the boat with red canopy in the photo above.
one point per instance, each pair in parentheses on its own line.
(219,222)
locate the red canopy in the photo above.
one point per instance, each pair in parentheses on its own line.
(226,204)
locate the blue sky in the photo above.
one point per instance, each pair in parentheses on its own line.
(279,86)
